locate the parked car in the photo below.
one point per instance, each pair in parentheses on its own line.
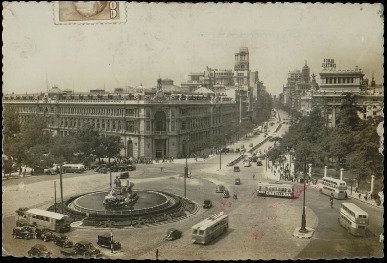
(131,167)
(62,241)
(226,194)
(207,204)
(225,150)
(259,163)
(237,181)
(220,188)
(39,250)
(124,175)
(237,169)
(53,170)
(106,242)
(21,222)
(24,232)
(82,248)
(246,164)
(172,234)
(46,235)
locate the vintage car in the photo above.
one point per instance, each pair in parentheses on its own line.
(21,222)
(45,235)
(259,163)
(220,188)
(237,169)
(131,167)
(62,241)
(124,175)
(207,204)
(106,242)
(226,194)
(23,232)
(246,163)
(172,234)
(82,248)
(237,181)
(39,250)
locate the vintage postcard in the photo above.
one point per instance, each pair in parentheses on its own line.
(181,131)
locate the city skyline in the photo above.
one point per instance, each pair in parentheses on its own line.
(280,38)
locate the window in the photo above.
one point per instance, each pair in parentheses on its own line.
(201,232)
(147,125)
(195,231)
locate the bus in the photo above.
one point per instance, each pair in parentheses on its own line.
(49,220)
(354,219)
(334,186)
(210,228)
(275,190)
(73,168)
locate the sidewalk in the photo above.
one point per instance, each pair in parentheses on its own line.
(361,198)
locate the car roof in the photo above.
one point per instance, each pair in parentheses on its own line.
(84,242)
(40,246)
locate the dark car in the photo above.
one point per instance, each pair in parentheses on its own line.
(131,167)
(24,232)
(237,181)
(259,163)
(237,169)
(62,241)
(172,234)
(226,194)
(45,235)
(124,175)
(220,188)
(106,242)
(207,204)
(82,248)
(39,250)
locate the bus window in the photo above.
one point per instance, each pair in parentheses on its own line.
(195,231)
(201,232)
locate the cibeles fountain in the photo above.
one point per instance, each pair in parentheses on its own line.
(120,196)
(124,206)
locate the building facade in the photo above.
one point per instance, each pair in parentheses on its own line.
(152,124)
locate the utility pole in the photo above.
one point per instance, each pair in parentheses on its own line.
(55,196)
(185,175)
(61,187)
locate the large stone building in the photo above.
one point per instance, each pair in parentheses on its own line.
(334,86)
(163,121)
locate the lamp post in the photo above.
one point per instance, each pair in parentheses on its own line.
(303,218)
(61,187)
(55,196)
(186,172)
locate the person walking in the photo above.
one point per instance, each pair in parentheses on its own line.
(157,254)
(161,169)
(331,200)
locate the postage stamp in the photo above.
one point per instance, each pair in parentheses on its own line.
(89,12)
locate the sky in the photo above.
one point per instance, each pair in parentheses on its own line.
(171,40)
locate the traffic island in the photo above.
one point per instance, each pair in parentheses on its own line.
(307,234)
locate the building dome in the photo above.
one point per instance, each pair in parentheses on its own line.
(244,49)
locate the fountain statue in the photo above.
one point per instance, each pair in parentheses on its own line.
(120,195)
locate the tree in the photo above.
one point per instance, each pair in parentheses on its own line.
(11,122)
(110,146)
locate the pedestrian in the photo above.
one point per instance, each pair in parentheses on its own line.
(253,176)
(161,169)
(172,158)
(346,195)
(24,172)
(20,171)
(331,200)
(157,254)
(235,196)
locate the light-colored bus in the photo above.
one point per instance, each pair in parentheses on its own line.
(50,220)
(354,219)
(275,190)
(210,228)
(334,186)
(73,168)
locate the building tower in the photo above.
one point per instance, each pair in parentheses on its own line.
(306,73)
(242,59)
(373,81)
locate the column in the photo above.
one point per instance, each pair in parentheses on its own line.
(325,171)
(372,183)
(310,171)
(333,116)
(341,174)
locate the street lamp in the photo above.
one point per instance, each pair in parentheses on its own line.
(186,170)
(303,218)
(61,186)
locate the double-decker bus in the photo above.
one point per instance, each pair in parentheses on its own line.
(210,228)
(275,190)
(50,220)
(334,186)
(354,219)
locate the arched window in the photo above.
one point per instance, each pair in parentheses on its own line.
(160,121)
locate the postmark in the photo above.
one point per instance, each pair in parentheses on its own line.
(89,12)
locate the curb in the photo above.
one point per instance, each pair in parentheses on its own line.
(363,201)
